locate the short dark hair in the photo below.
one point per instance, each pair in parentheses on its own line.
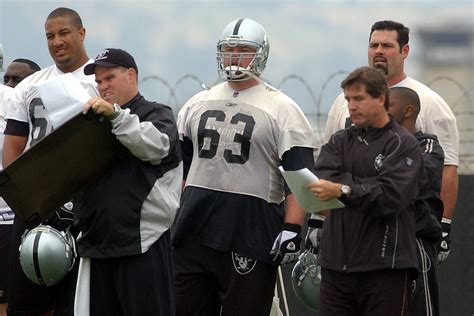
(34,66)
(408,96)
(388,25)
(66,12)
(373,79)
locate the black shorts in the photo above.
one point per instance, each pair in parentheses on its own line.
(208,280)
(5,241)
(27,298)
(134,285)
(381,292)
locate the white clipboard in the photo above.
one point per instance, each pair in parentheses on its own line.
(298,181)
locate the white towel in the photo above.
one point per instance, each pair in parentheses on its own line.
(81,301)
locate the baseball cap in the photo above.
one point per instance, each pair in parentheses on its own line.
(112,57)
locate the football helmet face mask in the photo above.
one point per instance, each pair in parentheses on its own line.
(306,279)
(250,58)
(47,254)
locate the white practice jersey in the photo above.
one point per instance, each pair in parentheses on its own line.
(435,118)
(25,104)
(6,214)
(4,91)
(239,138)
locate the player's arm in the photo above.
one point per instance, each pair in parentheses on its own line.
(445,128)
(449,190)
(286,247)
(295,159)
(16,137)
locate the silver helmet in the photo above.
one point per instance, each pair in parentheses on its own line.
(47,254)
(306,279)
(243,32)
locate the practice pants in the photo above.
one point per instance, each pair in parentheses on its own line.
(425,297)
(381,292)
(134,285)
(210,282)
(5,242)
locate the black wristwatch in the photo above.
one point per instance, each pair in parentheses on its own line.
(117,110)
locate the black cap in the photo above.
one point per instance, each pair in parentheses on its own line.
(112,57)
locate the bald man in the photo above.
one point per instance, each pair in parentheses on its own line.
(18,70)
(404,108)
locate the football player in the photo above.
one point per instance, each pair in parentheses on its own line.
(16,71)
(404,107)
(27,123)
(232,229)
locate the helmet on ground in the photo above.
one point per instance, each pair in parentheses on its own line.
(306,279)
(47,254)
(242,32)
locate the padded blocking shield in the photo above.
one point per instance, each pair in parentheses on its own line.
(59,166)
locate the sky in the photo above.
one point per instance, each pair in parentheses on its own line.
(312,43)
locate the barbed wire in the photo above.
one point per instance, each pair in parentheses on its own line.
(465,93)
(462,106)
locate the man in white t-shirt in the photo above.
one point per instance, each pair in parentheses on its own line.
(27,123)
(388,49)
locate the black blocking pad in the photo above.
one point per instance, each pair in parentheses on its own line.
(59,166)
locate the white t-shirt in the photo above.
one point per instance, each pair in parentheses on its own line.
(4,90)
(239,138)
(25,104)
(6,214)
(435,118)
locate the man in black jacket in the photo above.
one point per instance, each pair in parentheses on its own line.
(368,249)
(404,107)
(125,216)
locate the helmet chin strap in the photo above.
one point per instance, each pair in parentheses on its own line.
(238,73)
(232,73)
(246,74)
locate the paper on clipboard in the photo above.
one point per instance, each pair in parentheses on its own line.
(298,181)
(63,97)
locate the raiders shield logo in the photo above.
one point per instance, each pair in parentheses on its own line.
(102,55)
(378,162)
(243,265)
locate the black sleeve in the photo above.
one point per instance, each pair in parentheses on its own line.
(433,158)
(187,149)
(17,128)
(298,158)
(295,159)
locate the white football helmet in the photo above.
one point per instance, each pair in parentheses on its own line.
(243,32)
(306,279)
(47,254)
